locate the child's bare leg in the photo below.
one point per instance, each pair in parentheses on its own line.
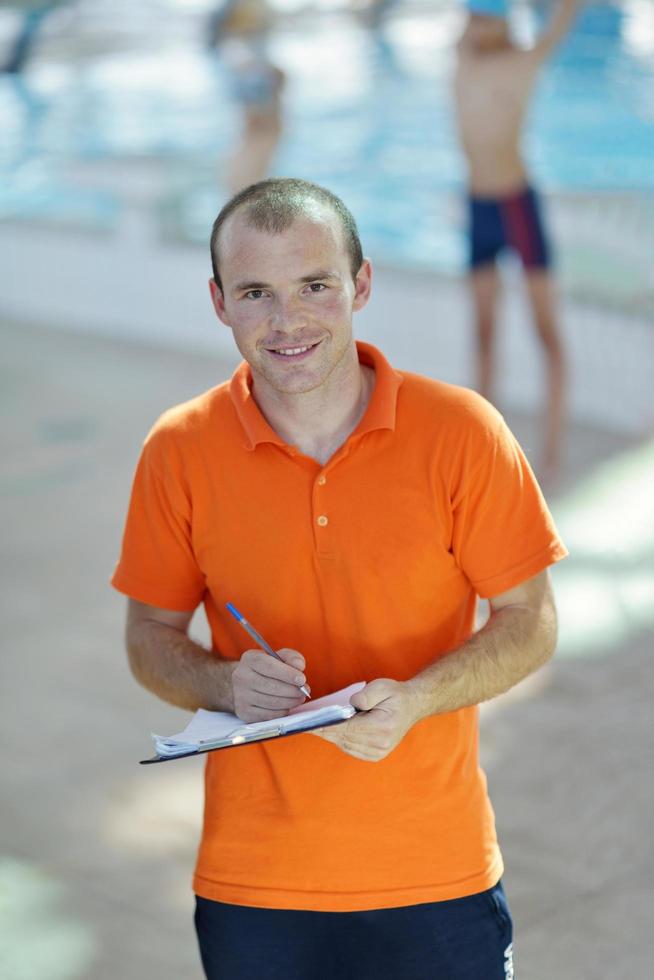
(541,293)
(485,288)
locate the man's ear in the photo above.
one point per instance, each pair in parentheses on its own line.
(362,285)
(218,301)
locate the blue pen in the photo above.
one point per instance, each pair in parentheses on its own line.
(257,637)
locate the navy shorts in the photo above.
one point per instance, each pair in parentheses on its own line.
(462,939)
(514,222)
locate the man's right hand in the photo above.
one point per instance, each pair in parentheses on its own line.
(167,662)
(264,687)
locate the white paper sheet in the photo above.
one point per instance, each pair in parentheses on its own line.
(208,727)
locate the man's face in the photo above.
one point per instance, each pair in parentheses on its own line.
(487,33)
(288,299)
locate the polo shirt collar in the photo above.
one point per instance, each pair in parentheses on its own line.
(380,413)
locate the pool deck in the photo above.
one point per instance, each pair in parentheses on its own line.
(102,330)
(97,853)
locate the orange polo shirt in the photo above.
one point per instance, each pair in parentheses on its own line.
(370,566)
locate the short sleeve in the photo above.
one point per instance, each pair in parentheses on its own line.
(157,564)
(503,532)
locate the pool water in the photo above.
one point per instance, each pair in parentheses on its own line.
(368,114)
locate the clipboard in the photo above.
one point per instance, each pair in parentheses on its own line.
(338,714)
(209,731)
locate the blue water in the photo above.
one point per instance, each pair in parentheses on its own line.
(368,114)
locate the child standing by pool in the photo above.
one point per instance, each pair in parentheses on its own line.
(240,28)
(493,84)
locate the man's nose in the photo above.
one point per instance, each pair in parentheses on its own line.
(287,314)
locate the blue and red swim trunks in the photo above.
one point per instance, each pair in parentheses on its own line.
(514,222)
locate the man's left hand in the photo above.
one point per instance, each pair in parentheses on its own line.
(388,711)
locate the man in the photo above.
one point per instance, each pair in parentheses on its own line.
(493,84)
(353,513)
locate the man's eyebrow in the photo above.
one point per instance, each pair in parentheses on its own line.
(319,274)
(311,277)
(240,286)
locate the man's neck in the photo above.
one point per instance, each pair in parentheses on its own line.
(318,422)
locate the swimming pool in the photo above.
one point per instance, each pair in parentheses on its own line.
(368,114)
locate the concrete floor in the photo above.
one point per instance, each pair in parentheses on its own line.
(96,853)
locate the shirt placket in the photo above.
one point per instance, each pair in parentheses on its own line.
(321,514)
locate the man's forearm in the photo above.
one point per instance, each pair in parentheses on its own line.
(513,643)
(178,670)
(517,639)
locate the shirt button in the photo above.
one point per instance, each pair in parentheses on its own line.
(322,480)
(323,521)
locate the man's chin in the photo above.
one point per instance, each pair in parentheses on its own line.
(299,386)
(286,382)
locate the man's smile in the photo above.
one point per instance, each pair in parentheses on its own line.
(292,353)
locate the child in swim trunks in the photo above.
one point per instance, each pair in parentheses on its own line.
(493,84)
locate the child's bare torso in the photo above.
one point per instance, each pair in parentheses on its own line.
(492,92)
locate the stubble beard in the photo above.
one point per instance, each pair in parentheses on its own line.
(310,383)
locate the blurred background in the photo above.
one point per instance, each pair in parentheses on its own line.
(125,126)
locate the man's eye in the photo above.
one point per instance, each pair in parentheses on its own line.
(254,294)
(317,287)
